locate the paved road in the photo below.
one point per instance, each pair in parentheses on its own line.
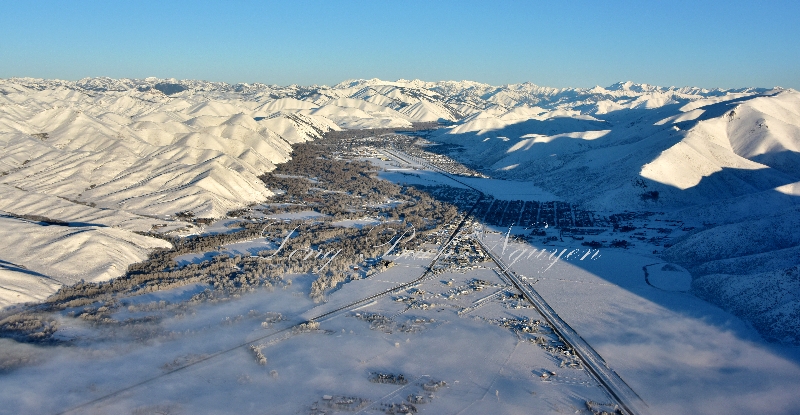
(627,399)
(616,387)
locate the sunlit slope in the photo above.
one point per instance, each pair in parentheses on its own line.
(85,165)
(143,151)
(758,134)
(39,259)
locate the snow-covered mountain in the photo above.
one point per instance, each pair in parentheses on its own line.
(118,155)
(114,157)
(690,151)
(727,162)
(157,146)
(140,150)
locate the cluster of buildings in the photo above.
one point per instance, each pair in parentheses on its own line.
(338,403)
(463,256)
(391,378)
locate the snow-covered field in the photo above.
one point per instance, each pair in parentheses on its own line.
(305,214)
(196,359)
(247,248)
(357,223)
(678,352)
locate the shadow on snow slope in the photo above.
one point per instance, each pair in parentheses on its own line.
(605,172)
(599,163)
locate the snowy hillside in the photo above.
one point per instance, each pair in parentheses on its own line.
(621,249)
(778,293)
(690,149)
(86,164)
(728,161)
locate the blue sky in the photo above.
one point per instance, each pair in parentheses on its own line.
(700,43)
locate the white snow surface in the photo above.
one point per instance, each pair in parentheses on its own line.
(679,353)
(86,164)
(38,259)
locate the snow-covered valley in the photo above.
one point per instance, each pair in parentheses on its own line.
(664,219)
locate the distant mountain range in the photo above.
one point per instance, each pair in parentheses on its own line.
(415,100)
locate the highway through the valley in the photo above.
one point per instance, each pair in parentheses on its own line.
(626,398)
